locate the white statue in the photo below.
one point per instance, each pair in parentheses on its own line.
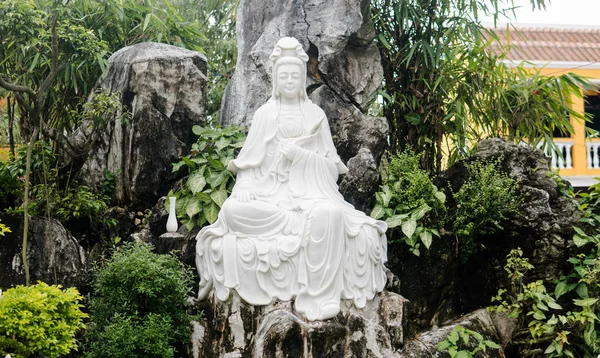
(286,231)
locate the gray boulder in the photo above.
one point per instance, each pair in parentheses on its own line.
(236,329)
(343,69)
(164,89)
(53,254)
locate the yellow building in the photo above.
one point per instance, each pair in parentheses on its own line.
(557,50)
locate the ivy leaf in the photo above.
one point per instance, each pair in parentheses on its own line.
(177,166)
(440,196)
(587,302)
(211,212)
(216,178)
(394,221)
(387,195)
(196,182)
(409,226)
(192,208)
(579,241)
(377,212)
(420,212)
(426,238)
(219,197)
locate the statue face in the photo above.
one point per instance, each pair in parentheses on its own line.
(289,81)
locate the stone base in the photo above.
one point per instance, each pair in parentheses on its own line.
(236,329)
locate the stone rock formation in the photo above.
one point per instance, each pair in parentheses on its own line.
(164,89)
(54,256)
(494,327)
(236,329)
(343,69)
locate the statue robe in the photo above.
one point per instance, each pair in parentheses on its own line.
(297,237)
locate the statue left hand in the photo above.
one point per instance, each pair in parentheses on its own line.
(289,150)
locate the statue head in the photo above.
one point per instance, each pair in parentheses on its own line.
(288,53)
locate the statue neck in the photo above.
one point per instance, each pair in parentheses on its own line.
(289,102)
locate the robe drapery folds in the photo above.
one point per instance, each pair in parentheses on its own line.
(297,237)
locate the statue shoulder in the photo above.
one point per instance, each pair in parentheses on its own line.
(266,112)
(314,109)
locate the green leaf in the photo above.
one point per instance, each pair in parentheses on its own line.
(420,212)
(582,290)
(146,21)
(177,166)
(426,238)
(561,289)
(197,130)
(440,196)
(413,118)
(539,315)
(554,305)
(551,348)
(192,208)
(196,183)
(443,345)
(409,226)
(491,344)
(211,212)
(579,241)
(394,221)
(587,302)
(386,196)
(384,41)
(377,212)
(219,197)
(216,178)
(463,354)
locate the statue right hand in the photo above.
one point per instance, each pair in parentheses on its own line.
(244,196)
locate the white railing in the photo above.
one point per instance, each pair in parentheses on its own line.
(593,160)
(562,161)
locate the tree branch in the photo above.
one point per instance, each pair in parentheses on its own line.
(16,88)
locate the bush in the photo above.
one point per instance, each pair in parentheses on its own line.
(408,199)
(128,336)
(141,293)
(486,199)
(39,320)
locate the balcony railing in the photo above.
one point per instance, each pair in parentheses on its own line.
(565,159)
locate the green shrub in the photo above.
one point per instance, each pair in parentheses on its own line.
(201,196)
(132,337)
(136,291)
(486,199)
(39,320)
(409,200)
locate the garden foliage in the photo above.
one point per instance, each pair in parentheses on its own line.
(410,201)
(559,319)
(39,321)
(486,199)
(138,306)
(201,195)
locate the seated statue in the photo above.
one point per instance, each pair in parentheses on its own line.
(286,232)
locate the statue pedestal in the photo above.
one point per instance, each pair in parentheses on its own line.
(236,329)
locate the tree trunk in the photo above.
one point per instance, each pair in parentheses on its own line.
(11,122)
(26,204)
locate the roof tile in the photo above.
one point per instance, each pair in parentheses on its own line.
(550,44)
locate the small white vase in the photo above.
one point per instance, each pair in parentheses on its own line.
(172,220)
